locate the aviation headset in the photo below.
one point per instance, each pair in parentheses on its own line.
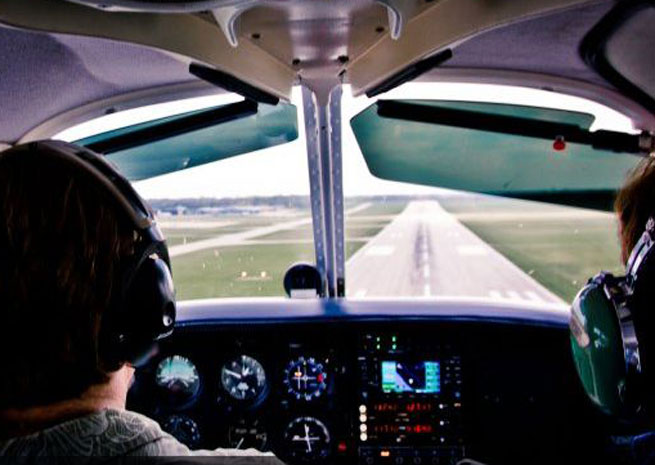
(143,308)
(610,317)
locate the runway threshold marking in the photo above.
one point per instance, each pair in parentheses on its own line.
(515,295)
(533,296)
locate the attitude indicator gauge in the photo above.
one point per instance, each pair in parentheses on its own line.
(307,439)
(305,379)
(244,379)
(178,377)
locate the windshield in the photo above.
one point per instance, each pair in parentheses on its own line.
(236,225)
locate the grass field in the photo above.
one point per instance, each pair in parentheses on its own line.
(255,269)
(241,271)
(248,270)
(560,247)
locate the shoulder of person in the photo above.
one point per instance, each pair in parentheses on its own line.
(106,433)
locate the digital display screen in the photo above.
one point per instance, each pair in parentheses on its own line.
(415,377)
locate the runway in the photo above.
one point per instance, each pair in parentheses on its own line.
(426,251)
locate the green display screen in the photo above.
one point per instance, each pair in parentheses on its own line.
(423,377)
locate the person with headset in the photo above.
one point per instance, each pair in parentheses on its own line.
(613,321)
(85,293)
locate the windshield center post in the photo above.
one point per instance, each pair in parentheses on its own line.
(322,112)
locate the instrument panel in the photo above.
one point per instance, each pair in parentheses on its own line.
(250,392)
(366,394)
(243,386)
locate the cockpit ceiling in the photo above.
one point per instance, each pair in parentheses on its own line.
(44,75)
(280,42)
(545,45)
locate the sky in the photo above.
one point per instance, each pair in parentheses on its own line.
(282,170)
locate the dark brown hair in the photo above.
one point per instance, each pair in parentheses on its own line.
(635,203)
(61,244)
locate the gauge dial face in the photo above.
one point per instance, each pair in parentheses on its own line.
(178,377)
(307,439)
(305,378)
(244,378)
(184,429)
(248,435)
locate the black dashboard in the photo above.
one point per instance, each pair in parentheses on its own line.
(368,383)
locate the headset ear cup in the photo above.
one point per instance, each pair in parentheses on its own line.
(150,310)
(597,348)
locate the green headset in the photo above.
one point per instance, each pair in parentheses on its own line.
(143,308)
(610,318)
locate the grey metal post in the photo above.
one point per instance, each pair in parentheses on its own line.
(323,133)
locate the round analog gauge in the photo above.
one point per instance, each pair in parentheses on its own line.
(184,429)
(244,378)
(178,377)
(307,439)
(305,378)
(248,435)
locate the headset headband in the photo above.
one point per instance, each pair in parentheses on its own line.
(641,250)
(101,171)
